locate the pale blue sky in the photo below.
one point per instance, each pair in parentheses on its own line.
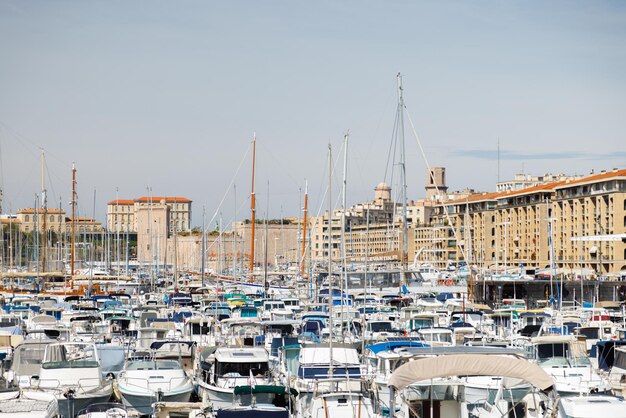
(167,94)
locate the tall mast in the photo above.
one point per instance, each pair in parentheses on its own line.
(73,220)
(344,281)
(252,210)
(202,266)
(330,258)
(235,234)
(93,250)
(405,246)
(304,221)
(44,209)
(267,207)
(175,253)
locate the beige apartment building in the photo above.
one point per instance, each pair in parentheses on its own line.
(122,213)
(30,219)
(379,214)
(504,230)
(373,230)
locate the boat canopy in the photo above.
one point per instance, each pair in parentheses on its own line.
(320,354)
(470,365)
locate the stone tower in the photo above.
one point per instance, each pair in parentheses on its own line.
(436,188)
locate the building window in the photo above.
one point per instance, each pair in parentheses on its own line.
(26,218)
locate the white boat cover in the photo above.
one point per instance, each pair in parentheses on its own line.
(470,365)
(321,355)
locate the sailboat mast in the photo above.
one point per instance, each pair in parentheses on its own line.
(73,225)
(330,259)
(304,222)
(405,246)
(175,253)
(235,234)
(44,209)
(252,210)
(344,281)
(202,266)
(267,207)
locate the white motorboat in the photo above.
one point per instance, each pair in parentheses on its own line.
(72,372)
(228,367)
(144,382)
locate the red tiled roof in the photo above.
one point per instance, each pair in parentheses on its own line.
(39,210)
(594,178)
(10,221)
(479,197)
(534,189)
(121,202)
(157,199)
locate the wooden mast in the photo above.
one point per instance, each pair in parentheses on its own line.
(252,210)
(304,221)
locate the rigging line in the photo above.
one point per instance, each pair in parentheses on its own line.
(22,140)
(25,141)
(371,139)
(230,220)
(262,146)
(230,185)
(50,182)
(392,146)
(1,176)
(445,207)
(333,169)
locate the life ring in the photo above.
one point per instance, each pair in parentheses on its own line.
(448,282)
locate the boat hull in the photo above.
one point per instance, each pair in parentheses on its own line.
(143,402)
(69,408)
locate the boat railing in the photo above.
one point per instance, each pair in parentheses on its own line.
(151,384)
(230,380)
(84,385)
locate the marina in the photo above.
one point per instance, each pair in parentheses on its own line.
(329,209)
(351,331)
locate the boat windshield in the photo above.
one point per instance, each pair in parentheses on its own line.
(324,372)
(590,333)
(562,355)
(70,356)
(242,369)
(418,323)
(437,337)
(153,365)
(28,358)
(379,326)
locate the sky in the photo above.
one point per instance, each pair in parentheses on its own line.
(164,97)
